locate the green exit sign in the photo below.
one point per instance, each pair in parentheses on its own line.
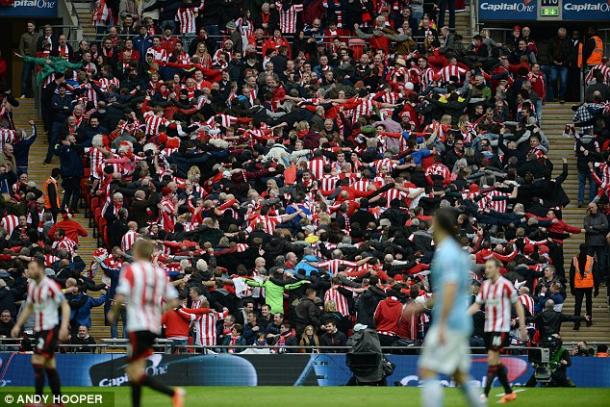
(549,11)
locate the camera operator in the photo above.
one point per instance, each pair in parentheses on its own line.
(559,362)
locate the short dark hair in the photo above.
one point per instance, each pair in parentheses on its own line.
(446,219)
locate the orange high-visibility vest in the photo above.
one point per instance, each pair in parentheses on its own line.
(583,280)
(45,190)
(598,52)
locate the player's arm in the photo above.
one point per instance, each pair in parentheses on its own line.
(25,314)
(65,320)
(474,308)
(521,316)
(476,305)
(449,294)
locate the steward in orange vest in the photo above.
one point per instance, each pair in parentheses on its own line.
(582,278)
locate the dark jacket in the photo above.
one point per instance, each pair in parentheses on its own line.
(549,322)
(596,227)
(70,161)
(560,50)
(306,313)
(367,305)
(333,339)
(80,344)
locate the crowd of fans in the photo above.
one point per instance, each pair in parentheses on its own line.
(288,169)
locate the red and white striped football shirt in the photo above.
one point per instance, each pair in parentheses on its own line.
(152,123)
(289,17)
(145,286)
(205,328)
(339,299)
(9,223)
(45,296)
(128,240)
(497,297)
(186,17)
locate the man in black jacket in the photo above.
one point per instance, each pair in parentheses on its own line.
(559,54)
(368,302)
(307,312)
(549,321)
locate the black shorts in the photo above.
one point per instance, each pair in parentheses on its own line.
(496,341)
(45,342)
(140,345)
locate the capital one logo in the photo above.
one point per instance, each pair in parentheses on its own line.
(599,7)
(34,3)
(523,6)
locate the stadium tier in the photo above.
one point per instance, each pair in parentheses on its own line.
(315,193)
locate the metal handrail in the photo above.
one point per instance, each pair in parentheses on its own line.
(168,344)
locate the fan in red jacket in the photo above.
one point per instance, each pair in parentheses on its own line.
(72,228)
(176,324)
(387,314)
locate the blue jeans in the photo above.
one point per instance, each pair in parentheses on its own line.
(561,73)
(26,78)
(583,176)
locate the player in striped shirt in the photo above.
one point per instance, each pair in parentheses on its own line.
(43,300)
(146,290)
(497,294)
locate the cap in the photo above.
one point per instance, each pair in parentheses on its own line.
(231,26)
(385,222)
(517,28)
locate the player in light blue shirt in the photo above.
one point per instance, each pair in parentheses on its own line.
(451,266)
(446,347)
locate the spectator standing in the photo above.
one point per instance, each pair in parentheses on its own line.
(71,167)
(443,6)
(27,46)
(307,313)
(582,281)
(549,321)
(596,228)
(560,52)
(387,316)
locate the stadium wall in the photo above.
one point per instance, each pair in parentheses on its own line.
(106,370)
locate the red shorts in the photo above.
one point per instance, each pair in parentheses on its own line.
(140,345)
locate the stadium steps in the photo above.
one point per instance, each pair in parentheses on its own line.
(554,118)
(39,172)
(83,11)
(462,25)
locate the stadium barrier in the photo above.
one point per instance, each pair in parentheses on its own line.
(251,368)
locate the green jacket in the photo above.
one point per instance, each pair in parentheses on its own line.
(51,65)
(274,294)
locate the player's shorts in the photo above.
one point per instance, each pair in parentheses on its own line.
(140,345)
(496,341)
(45,342)
(452,356)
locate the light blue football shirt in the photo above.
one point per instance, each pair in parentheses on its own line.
(451,264)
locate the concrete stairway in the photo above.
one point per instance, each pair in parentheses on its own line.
(83,11)
(462,25)
(39,172)
(554,118)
